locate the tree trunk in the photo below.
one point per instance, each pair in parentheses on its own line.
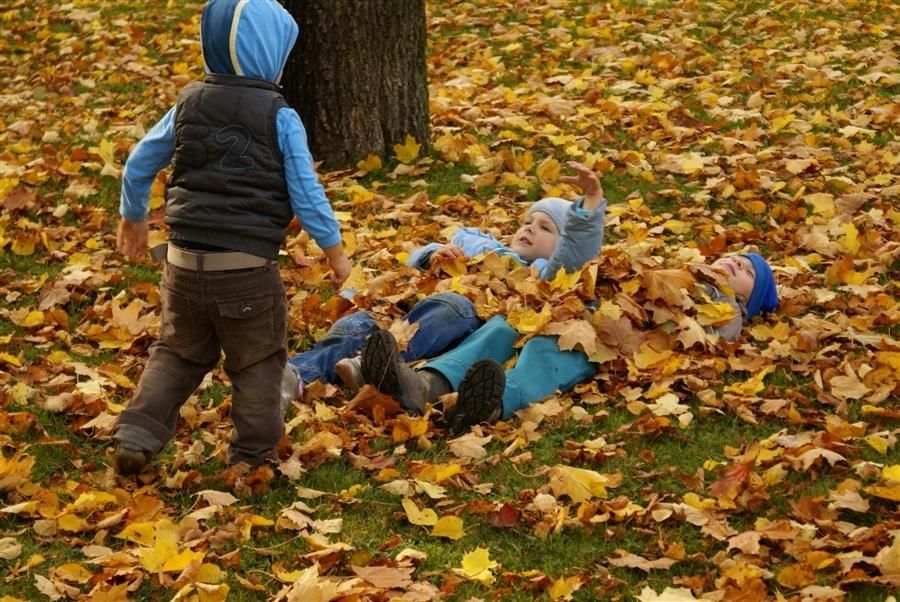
(357,76)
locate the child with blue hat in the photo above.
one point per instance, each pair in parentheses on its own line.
(750,278)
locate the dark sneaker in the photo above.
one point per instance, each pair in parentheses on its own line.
(382,368)
(349,371)
(130,462)
(480,397)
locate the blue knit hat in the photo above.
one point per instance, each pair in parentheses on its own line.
(555,207)
(763,297)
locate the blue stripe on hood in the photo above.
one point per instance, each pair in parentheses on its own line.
(265,34)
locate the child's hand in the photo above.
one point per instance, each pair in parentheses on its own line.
(446,253)
(340,270)
(131,240)
(588,182)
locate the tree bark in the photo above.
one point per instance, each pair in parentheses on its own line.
(357,76)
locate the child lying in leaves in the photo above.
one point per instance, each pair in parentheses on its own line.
(485,393)
(556,233)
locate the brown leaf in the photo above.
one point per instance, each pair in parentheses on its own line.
(668,285)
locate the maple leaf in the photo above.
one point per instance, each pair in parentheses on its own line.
(574,334)
(668,285)
(450,527)
(477,566)
(407,152)
(733,479)
(424,517)
(579,484)
(564,588)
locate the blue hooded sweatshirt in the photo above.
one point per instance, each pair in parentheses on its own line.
(250,38)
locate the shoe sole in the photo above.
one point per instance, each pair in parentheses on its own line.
(380,363)
(480,396)
(130,462)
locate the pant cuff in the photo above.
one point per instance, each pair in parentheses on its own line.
(140,432)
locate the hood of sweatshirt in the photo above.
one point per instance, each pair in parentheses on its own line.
(251,38)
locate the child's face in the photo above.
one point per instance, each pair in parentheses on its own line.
(740,273)
(536,238)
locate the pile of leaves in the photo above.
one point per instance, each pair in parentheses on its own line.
(688,467)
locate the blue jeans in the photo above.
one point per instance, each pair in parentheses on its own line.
(444,319)
(540,370)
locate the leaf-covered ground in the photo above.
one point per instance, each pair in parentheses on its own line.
(763,469)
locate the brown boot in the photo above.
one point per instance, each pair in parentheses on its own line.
(480,397)
(129,462)
(381,367)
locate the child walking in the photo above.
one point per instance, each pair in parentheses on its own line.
(486,393)
(555,234)
(241,170)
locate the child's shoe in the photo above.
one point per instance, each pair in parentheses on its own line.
(381,367)
(291,387)
(129,462)
(480,397)
(349,371)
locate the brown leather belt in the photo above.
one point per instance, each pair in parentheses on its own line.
(213,262)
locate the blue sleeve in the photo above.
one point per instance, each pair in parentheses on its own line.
(421,257)
(308,198)
(581,242)
(151,154)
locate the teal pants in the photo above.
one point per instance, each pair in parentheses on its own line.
(540,371)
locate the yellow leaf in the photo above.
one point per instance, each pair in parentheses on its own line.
(647,356)
(891,473)
(781,122)
(425,517)
(564,281)
(23,246)
(450,527)
(527,321)
(548,170)
(71,523)
(691,164)
(88,502)
(477,566)
(437,473)
(359,195)
(822,204)
(850,240)
(563,589)
(139,533)
(10,359)
(73,573)
(164,555)
(370,163)
(714,313)
(752,385)
(877,443)
(408,151)
(888,493)
(15,471)
(579,484)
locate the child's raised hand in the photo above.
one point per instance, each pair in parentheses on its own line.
(589,183)
(131,240)
(447,252)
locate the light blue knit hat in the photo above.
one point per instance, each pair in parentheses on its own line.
(555,207)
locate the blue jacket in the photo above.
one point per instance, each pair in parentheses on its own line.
(580,242)
(265,34)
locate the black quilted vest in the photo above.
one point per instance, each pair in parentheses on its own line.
(228,188)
